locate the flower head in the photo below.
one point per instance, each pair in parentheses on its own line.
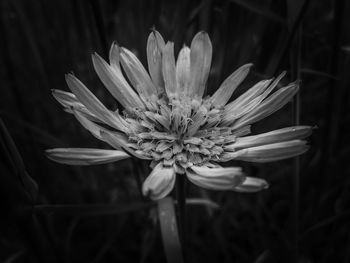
(167,120)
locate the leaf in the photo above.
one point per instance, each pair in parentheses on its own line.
(284,47)
(15,163)
(32,43)
(317,73)
(262,257)
(260,10)
(169,230)
(326,222)
(97,12)
(201,201)
(92,209)
(40,135)
(293,10)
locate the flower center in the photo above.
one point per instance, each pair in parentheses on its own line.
(180,133)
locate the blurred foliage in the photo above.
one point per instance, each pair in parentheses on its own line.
(42,40)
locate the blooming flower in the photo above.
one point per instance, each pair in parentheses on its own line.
(167,120)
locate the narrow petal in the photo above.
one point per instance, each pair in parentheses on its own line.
(262,89)
(270,105)
(225,91)
(114,57)
(268,153)
(244,103)
(66,99)
(137,75)
(198,119)
(183,71)
(280,135)
(249,95)
(250,100)
(273,85)
(71,104)
(155,46)
(158,118)
(160,182)
(114,81)
(251,185)
(85,156)
(92,127)
(216,171)
(118,140)
(217,178)
(243,131)
(94,105)
(169,70)
(89,125)
(201,54)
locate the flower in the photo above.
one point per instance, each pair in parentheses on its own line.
(167,120)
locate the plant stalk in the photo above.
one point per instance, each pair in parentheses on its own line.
(295,54)
(181,201)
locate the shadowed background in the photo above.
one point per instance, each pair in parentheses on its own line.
(302,217)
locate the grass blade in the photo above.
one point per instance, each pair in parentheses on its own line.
(16,163)
(96,9)
(201,201)
(295,10)
(282,52)
(260,10)
(91,210)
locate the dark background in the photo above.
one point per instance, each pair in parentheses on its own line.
(302,217)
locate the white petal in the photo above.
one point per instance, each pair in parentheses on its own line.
(249,101)
(260,90)
(155,46)
(201,54)
(270,105)
(183,71)
(71,104)
(280,135)
(158,118)
(169,70)
(251,185)
(89,125)
(216,171)
(243,131)
(137,75)
(269,152)
(217,178)
(85,156)
(198,119)
(244,103)
(94,105)
(66,99)
(225,91)
(92,127)
(114,81)
(114,57)
(159,183)
(118,140)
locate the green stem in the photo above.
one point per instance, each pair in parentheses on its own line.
(181,200)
